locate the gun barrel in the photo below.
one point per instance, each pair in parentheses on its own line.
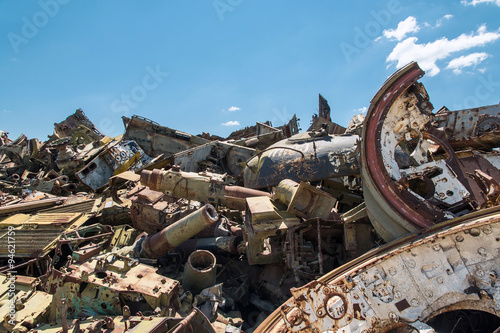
(204,187)
(159,244)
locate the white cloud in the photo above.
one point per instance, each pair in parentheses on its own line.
(234,108)
(404,27)
(5,110)
(231,123)
(360,110)
(477,2)
(440,21)
(472,59)
(427,54)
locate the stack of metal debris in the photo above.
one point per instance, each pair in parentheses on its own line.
(388,225)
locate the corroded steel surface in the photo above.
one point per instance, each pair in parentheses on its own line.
(389,225)
(412,176)
(304,157)
(407,281)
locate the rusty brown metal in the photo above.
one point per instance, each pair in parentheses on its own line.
(152,211)
(156,139)
(67,127)
(489,187)
(175,234)
(308,156)
(429,185)
(374,174)
(115,278)
(304,200)
(402,169)
(477,128)
(203,187)
(406,282)
(199,272)
(31,206)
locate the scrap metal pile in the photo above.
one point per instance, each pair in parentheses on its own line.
(388,225)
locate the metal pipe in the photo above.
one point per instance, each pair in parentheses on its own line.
(14,177)
(62,180)
(199,271)
(285,191)
(204,187)
(243,192)
(159,244)
(183,324)
(213,244)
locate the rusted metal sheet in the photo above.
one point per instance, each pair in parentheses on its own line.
(155,139)
(31,205)
(50,219)
(404,284)
(218,157)
(96,174)
(29,243)
(304,200)
(152,211)
(306,156)
(406,186)
(477,128)
(264,225)
(37,235)
(102,285)
(87,206)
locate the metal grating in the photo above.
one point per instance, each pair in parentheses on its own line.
(79,207)
(28,242)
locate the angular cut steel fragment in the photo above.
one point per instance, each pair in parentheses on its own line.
(323,120)
(103,284)
(155,139)
(218,157)
(412,175)
(477,128)
(304,200)
(117,157)
(265,227)
(72,123)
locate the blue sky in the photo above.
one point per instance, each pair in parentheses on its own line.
(219,65)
